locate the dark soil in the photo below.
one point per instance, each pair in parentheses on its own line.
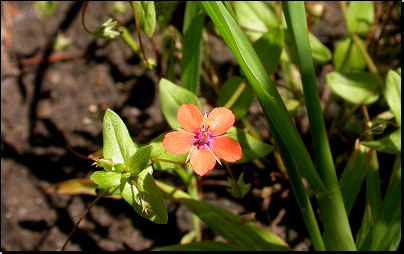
(53,100)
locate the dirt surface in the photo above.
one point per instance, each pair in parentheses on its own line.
(48,105)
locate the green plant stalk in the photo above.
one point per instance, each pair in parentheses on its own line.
(189,178)
(337,228)
(250,129)
(129,40)
(191,51)
(387,225)
(230,9)
(373,190)
(369,62)
(235,95)
(371,65)
(301,196)
(192,189)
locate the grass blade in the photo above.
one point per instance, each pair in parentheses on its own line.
(353,175)
(191,49)
(388,222)
(335,219)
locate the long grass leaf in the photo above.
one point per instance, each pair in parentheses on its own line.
(191,49)
(388,222)
(335,219)
(285,133)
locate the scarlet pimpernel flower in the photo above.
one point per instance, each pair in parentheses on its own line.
(203,137)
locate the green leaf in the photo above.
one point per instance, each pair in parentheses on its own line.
(159,152)
(269,48)
(106,179)
(171,98)
(251,148)
(191,49)
(199,246)
(146,15)
(45,8)
(238,94)
(114,191)
(255,17)
(392,93)
(292,105)
(367,225)
(320,53)
(395,241)
(360,17)
(241,190)
(387,226)
(245,235)
(355,87)
(147,200)
(118,145)
(373,185)
(353,176)
(347,57)
(139,160)
(229,9)
(388,144)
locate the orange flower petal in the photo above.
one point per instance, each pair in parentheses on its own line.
(226,148)
(221,120)
(202,161)
(189,117)
(178,142)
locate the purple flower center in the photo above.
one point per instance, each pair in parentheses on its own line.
(203,136)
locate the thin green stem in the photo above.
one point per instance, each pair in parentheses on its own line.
(129,40)
(192,190)
(371,65)
(227,166)
(235,95)
(82,217)
(250,129)
(344,9)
